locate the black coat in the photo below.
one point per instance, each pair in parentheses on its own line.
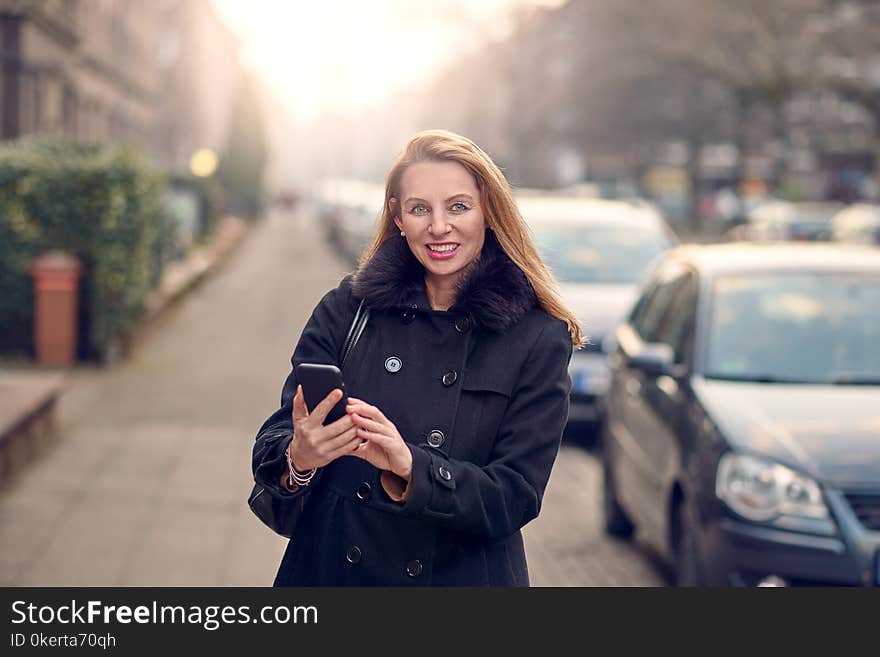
(481,396)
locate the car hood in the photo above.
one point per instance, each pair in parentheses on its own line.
(830,432)
(599,307)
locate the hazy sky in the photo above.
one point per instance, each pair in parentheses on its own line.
(349,54)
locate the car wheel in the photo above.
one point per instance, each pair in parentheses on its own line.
(617,523)
(688,571)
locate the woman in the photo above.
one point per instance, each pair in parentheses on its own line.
(458,391)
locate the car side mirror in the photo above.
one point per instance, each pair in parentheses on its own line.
(654,359)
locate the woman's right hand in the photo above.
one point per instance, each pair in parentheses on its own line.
(315,445)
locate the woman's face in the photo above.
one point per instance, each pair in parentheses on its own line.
(441,215)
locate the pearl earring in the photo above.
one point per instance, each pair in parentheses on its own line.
(402,234)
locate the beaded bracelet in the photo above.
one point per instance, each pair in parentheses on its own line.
(294,476)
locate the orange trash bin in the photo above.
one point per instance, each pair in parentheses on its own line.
(56,287)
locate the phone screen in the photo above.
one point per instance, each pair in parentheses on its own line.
(317,380)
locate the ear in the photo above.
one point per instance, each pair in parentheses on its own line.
(394,212)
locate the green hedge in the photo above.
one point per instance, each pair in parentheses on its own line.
(211,196)
(103,204)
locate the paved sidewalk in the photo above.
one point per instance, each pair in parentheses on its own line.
(148,481)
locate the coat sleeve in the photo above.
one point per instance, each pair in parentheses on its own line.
(320,342)
(499,498)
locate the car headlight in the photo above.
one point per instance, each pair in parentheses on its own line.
(761,490)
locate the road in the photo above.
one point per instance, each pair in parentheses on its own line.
(147,482)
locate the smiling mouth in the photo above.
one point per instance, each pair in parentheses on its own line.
(447,247)
(443,250)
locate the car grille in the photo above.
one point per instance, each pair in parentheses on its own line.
(866,506)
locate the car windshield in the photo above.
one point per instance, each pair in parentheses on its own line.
(795,327)
(599,253)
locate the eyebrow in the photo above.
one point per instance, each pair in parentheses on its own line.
(455,196)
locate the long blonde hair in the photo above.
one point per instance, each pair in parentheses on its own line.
(499,210)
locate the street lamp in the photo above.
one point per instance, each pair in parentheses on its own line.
(203,163)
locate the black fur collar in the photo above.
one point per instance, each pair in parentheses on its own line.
(494,292)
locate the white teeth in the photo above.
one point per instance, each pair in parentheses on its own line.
(443,249)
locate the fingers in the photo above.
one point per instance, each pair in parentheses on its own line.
(338,426)
(328,445)
(349,448)
(367,410)
(312,441)
(329,450)
(299,405)
(379,438)
(336,442)
(374,427)
(364,451)
(367,423)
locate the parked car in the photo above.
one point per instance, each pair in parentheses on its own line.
(857,223)
(348,210)
(599,250)
(775,220)
(742,433)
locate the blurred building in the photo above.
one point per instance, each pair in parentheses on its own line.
(200,70)
(83,70)
(160,74)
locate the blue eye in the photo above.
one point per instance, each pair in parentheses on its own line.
(458,206)
(419,209)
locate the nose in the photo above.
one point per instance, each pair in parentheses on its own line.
(439,225)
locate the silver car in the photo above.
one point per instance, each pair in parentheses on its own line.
(858,223)
(777,220)
(599,250)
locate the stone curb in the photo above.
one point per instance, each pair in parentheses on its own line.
(28,414)
(180,277)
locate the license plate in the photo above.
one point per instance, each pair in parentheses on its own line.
(580,382)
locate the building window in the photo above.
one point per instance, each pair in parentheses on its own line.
(69,112)
(36,109)
(52,109)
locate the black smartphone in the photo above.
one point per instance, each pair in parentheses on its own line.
(317,382)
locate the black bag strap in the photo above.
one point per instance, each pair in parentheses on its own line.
(354,332)
(275,512)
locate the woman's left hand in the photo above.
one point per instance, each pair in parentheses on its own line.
(384,446)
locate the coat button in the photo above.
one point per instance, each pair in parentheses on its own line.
(363,491)
(393,364)
(353,554)
(408,316)
(462,324)
(436,438)
(449,377)
(414,568)
(444,473)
